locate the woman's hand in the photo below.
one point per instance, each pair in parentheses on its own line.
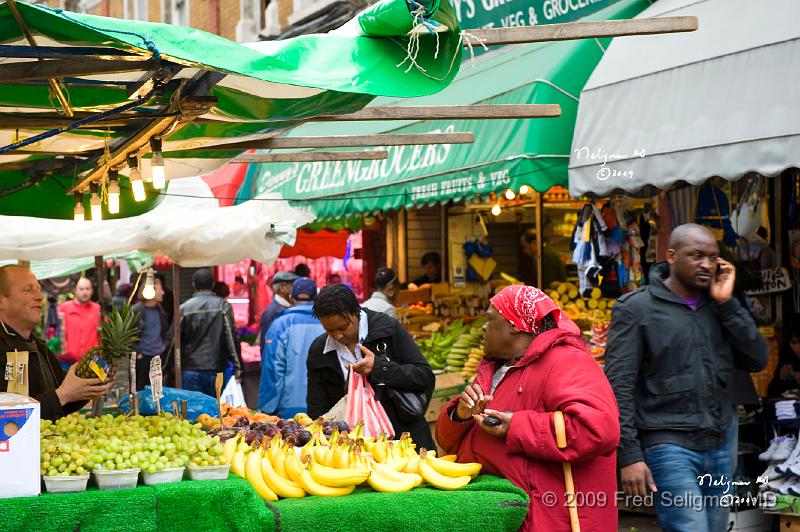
(500,430)
(471,402)
(365,365)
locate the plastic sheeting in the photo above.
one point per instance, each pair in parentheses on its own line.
(188,226)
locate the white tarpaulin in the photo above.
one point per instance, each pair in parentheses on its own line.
(188,227)
(720,101)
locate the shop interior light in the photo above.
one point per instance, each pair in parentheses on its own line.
(157,164)
(113,192)
(137,185)
(510,194)
(496,209)
(78,214)
(524,189)
(95,205)
(149,290)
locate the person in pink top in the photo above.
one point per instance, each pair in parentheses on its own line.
(80,323)
(536,363)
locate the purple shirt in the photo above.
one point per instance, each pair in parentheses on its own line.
(692,302)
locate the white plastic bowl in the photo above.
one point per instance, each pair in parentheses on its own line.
(216,472)
(171,474)
(66,484)
(116,479)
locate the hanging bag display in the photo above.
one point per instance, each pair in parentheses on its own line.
(751,217)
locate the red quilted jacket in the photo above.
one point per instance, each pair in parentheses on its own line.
(556,373)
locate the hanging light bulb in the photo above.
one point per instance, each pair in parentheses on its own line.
(496,209)
(94,204)
(157,164)
(524,189)
(113,192)
(510,194)
(78,214)
(136,179)
(149,290)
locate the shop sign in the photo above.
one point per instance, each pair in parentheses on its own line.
(772,281)
(512,13)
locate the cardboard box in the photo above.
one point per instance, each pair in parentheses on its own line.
(19,446)
(790,522)
(448,385)
(752,520)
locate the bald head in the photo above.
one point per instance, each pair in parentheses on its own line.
(83,290)
(690,234)
(6,275)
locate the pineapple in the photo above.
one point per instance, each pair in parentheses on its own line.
(117,334)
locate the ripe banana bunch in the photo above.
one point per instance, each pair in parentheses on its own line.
(454,477)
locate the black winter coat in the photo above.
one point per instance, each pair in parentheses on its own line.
(208,334)
(672,368)
(403,367)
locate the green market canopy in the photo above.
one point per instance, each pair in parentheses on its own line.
(506,153)
(125,81)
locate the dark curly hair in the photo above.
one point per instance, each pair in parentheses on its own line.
(336,300)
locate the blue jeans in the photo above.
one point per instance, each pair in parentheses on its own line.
(692,486)
(199,381)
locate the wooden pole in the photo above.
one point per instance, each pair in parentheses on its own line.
(176,321)
(99,268)
(33,70)
(445,270)
(344,141)
(446,112)
(580,30)
(539,243)
(402,245)
(569,484)
(311,156)
(54,86)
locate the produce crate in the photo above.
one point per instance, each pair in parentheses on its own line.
(448,385)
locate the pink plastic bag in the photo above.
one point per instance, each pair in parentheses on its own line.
(362,406)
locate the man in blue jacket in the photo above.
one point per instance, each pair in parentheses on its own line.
(283,369)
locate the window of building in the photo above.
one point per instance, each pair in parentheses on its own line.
(175,12)
(134,9)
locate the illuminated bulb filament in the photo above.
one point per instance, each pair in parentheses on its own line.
(149,290)
(510,194)
(113,198)
(496,209)
(157,168)
(524,189)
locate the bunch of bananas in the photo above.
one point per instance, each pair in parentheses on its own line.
(462,349)
(449,348)
(333,466)
(473,359)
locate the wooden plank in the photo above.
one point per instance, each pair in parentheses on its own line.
(32,70)
(65,52)
(446,112)
(344,141)
(580,30)
(311,156)
(190,106)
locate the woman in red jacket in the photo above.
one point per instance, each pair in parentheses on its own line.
(537,363)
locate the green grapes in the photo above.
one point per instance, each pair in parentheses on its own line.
(76,444)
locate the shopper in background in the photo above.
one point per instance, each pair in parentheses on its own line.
(432,263)
(552,266)
(672,351)
(302,270)
(80,323)
(282,286)
(386,290)
(59,393)
(155,334)
(221,289)
(377,347)
(536,363)
(787,374)
(284,377)
(208,336)
(121,295)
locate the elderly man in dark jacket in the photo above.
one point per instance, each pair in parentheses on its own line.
(377,347)
(208,336)
(673,348)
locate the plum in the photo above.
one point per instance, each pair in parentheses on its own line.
(242,422)
(303,437)
(343,426)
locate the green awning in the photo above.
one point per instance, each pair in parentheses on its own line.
(48,269)
(261,88)
(506,153)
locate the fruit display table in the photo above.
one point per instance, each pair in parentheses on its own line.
(487,504)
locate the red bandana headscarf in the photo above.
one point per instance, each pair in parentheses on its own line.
(525,306)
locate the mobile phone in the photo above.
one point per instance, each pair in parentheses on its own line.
(491,421)
(719,269)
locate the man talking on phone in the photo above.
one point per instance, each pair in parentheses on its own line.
(672,350)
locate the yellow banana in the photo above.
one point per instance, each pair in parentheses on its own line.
(337,478)
(309,448)
(327,458)
(379,451)
(279,463)
(293,467)
(341,457)
(243,446)
(398,464)
(449,457)
(315,488)
(279,484)
(229,448)
(454,469)
(275,448)
(238,463)
(391,474)
(379,482)
(413,465)
(253,475)
(437,480)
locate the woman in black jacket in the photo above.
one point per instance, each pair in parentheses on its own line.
(391,359)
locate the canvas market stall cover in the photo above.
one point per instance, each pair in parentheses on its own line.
(721,101)
(94,89)
(505,154)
